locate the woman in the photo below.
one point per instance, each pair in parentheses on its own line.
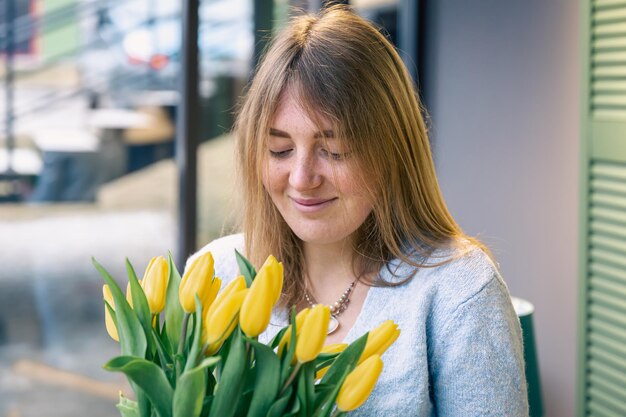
(339,184)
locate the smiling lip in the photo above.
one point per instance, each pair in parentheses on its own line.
(311,204)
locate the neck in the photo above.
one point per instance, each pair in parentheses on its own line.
(329,268)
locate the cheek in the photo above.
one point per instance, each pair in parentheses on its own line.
(272,177)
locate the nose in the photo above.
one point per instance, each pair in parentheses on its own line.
(305,173)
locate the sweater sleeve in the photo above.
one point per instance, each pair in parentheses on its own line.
(476,357)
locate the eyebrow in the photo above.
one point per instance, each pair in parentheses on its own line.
(328,134)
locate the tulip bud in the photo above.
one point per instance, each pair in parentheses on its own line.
(379,339)
(108,319)
(264,292)
(275,273)
(359,384)
(129,294)
(154,283)
(286,339)
(313,334)
(222,316)
(211,295)
(332,348)
(196,280)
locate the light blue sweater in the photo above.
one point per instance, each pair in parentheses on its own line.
(459,353)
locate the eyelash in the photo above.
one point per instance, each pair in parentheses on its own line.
(279,154)
(334,156)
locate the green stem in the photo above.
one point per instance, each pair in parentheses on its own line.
(181,343)
(336,413)
(289,380)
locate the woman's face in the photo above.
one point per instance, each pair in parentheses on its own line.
(309,178)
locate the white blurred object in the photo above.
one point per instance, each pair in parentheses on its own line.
(118,119)
(23,161)
(522,307)
(65,140)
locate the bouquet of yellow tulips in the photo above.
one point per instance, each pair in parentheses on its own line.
(189,352)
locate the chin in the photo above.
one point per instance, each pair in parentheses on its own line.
(319,237)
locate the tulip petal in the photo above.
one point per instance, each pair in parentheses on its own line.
(359,384)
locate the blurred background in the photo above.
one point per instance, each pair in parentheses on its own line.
(525,110)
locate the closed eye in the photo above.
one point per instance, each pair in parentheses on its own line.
(280,154)
(334,155)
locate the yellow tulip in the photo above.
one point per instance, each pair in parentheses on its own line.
(237,284)
(313,334)
(273,270)
(285,340)
(154,283)
(379,339)
(359,384)
(211,295)
(332,348)
(264,292)
(129,294)
(222,316)
(197,280)
(108,319)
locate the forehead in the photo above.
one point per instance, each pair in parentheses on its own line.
(293,113)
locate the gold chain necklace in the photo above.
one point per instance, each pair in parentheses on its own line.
(336,308)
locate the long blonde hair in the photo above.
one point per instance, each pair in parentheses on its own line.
(346,71)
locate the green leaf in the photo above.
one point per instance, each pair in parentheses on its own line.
(140,303)
(279,406)
(167,363)
(343,365)
(267,382)
(246,268)
(295,408)
(345,362)
(127,407)
(286,360)
(149,377)
(173,310)
(206,406)
(301,394)
(189,393)
(132,336)
(145,407)
(309,380)
(230,384)
(243,403)
(278,337)
(197,334)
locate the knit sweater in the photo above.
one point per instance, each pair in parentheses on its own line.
(459,353)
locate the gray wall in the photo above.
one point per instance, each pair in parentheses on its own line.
(502,87)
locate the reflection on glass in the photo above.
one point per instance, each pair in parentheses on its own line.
(95,109)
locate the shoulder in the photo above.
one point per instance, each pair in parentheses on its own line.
(451,275)
(453,280)
(466,273)
(223,251)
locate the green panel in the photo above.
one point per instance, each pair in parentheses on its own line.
(607,400)
(609,360)
(608,373)
(610,288)
(602,260)
(608,140)
(611,388)
(608,259)
(616,274)
(601,411)
(608,214)
(603,4)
